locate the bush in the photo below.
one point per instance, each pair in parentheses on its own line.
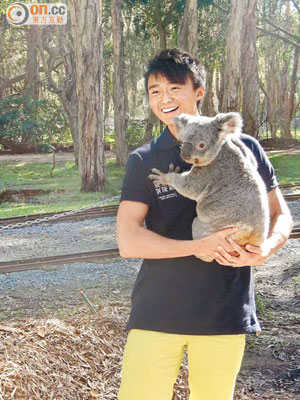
(135,134)
(30,125)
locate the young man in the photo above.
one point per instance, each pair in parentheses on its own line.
(178,300)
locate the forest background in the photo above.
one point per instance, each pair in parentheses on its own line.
(82,83)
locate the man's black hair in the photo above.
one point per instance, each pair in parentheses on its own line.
(176,65)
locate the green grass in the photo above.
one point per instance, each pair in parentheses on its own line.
(267,134)
(65,187)
(287,167)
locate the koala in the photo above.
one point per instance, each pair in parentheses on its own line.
(223,180)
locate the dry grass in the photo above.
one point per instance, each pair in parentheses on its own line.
(67,359)
(79,358)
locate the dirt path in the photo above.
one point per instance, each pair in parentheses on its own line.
(43,158)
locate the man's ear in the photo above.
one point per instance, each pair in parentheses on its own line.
(200,92)
(228,123)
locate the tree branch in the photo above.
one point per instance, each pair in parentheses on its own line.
(10,82)
(279,37)
(219,7)
(169,15)
(296,6)
(294,37)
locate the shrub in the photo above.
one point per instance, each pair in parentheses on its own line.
(30,125)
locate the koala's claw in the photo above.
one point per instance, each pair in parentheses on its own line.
(173,169)
(159,177)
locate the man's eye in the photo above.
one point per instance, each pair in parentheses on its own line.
(154,92)
(175,88)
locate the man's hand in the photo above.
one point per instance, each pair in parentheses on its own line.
(281,225)
(246,256)
(210,243)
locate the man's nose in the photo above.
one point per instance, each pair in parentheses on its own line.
(166,97)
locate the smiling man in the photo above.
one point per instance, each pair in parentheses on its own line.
(179,301)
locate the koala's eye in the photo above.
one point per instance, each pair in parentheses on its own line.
(201,146)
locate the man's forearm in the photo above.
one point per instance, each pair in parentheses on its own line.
(279,232)
(143,243)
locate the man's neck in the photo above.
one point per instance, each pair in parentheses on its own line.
(173,131)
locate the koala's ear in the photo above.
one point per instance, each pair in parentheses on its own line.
(180,122)
(228,123)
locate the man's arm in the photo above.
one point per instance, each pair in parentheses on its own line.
(281,225)
(135,241)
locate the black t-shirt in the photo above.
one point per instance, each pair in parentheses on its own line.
(185,295)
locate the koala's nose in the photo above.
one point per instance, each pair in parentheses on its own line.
(186,151)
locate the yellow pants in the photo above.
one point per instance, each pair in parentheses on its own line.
(151,362)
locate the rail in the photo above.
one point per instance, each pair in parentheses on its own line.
(95,212)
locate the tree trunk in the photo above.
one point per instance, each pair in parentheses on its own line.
(284,99)
(66,88)
(289,101)
(119,93)
(272,88)
(31,84)
(188,30)
(209,107)
(149,127)
(68,96)
(249,70)
(160,26)
(232,70)
(3,27)
(88,48)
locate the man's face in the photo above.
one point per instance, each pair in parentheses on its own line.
(169,99)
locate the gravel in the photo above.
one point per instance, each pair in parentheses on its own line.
(61,284)
(58,238)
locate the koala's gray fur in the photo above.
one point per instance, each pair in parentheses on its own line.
(223,180)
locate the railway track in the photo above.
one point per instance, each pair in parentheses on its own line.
(90,256)
(96,212)
(93,256)
(289,185)
(46,262)
(104,211)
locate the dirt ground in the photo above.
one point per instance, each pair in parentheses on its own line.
(53,347)
(69,156)
(87,346)
(43,158)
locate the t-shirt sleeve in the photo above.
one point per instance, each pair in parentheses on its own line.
(264,166)
(134,184)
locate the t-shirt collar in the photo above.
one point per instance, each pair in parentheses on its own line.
(166,140)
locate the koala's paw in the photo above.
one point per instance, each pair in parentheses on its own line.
(173,169)
(158,177)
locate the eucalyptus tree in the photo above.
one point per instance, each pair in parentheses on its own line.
(155,21)
(240,72)
(188,30)
(279,45)
(119,90)
(57,58)
(212,26)
(88,49)
(249,69)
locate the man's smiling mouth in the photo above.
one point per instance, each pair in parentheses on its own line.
(169,110)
